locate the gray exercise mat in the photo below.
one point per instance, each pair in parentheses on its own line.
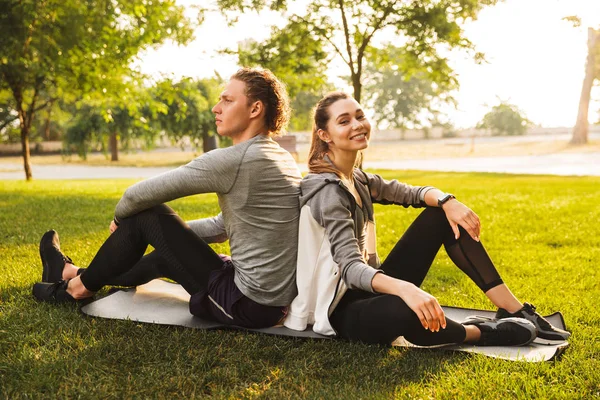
(165,303)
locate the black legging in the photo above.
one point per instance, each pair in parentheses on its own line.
(179,253)
(149,267)
(381,318)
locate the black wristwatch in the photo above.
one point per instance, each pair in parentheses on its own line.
(442,200)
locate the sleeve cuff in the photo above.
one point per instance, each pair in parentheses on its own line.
(366,279)
(423,193)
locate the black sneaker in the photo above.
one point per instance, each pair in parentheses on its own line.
(503,332)
(53,260)
(546,333)
(53,292)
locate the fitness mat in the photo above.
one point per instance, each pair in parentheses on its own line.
(165,303)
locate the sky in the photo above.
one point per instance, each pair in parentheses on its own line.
(535,60)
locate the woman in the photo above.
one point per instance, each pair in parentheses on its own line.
(342,292)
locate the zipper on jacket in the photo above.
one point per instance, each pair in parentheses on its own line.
(337,287)
(353,205)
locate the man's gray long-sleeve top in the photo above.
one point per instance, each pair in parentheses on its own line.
(257,183)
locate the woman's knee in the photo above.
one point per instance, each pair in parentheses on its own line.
(435,214)
(436,219)
(393,314)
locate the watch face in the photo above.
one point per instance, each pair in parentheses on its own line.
(445,198)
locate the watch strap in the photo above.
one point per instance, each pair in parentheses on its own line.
(445,198)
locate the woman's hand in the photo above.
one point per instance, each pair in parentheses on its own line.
(459,214)
(424,305)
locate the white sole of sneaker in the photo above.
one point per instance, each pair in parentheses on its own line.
(549,342)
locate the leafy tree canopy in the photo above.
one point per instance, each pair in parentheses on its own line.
(188,109)
(505,119)
(348,29)
(73,49)
(402,93)
(298,59)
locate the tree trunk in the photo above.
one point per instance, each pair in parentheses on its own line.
(25,125)
(580,132)
(357,86)
(25,150)
(209,142)
(47,124)
(113,143)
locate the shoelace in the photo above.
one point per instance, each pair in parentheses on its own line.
(530,309)
(55,287)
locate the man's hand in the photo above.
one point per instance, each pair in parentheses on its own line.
(113,227)
(459,214)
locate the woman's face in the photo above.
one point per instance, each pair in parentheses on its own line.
(348,128)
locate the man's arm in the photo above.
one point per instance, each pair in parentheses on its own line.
(210,230)
(213,172)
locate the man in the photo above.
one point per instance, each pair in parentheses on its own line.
(257,184)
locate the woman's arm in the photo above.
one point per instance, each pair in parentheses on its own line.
(426,306)
(457,214)
(330,207)
(394,192)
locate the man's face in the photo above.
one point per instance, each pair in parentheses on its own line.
(232,112)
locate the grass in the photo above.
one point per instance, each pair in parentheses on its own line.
(541,231)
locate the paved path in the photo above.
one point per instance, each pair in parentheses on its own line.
(563,164)
(15,171)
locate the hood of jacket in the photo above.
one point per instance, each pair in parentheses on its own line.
(313,182)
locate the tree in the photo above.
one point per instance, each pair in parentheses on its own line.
(592,72)
(402,93)
(93,125)
(210,90)
(302,104)
(298,60)
(8,116)
(188,112)
(70,49)
(49,125)
(87,128)
(505,119)
(348,29)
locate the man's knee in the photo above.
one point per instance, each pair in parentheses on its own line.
(150,213)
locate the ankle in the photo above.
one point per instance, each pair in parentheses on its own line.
(502,297)
(513,308)
(472,334)
(76,289)
(69,271)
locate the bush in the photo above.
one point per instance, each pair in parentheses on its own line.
(505,119)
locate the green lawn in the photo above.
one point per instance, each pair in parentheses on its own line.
(542,232)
